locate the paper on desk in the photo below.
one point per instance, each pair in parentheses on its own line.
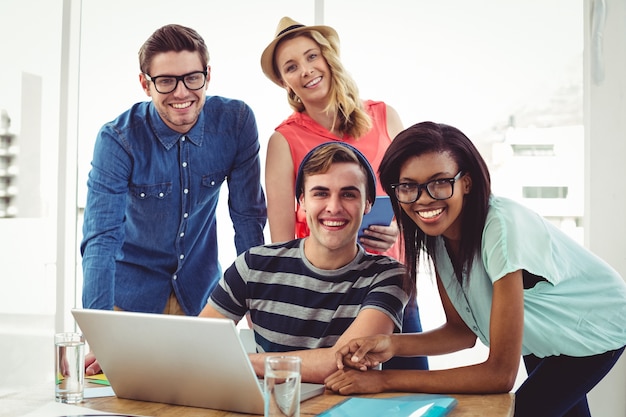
(97,379)
(55,409)
(98,392)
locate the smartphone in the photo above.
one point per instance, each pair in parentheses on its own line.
(381,214)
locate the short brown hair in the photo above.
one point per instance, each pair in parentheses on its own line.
(171,38)
(320,158)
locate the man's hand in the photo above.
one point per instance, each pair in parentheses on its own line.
(349,381)
(92,367)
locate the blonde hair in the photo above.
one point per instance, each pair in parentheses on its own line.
(349,116)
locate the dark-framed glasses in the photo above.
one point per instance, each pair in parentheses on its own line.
(439,189)
(165,84)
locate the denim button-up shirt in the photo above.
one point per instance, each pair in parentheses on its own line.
(150,217)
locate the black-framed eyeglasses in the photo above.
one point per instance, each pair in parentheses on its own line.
(165,84)
(439,189)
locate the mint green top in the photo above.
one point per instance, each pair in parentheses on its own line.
(579,311)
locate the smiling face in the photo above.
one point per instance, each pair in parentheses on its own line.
(435,217)
(303,69)
(180,108)
(335,203)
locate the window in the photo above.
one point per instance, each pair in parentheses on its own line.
(435,61)
(544,192)
(533,150)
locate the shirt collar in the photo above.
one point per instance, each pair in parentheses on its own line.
(168,137)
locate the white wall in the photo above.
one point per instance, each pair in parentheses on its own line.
(605,137)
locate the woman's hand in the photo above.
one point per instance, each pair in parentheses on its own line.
(386,235)
(365,353)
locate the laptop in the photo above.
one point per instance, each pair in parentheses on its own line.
(191,361)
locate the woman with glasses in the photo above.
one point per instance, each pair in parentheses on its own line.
(304,61)
(505,275)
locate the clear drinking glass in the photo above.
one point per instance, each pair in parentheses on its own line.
(69,367)
(282,386)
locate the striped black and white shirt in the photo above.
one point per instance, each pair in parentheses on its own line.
(294,305)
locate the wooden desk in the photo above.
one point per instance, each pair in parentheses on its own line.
(499,405)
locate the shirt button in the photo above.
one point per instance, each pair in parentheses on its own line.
(181,256)
(467,309)
(142,195)
(184,164)
(212,182)
(186,215)
(182,234)
(174,277)
(183,138)
(161,195)
(475,328)
(186,191)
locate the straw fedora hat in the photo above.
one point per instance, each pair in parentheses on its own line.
(287,26)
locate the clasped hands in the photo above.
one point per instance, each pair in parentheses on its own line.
(353,359)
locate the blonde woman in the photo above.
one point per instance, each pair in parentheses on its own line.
(304,60)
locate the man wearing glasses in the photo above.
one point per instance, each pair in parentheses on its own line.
(149,234)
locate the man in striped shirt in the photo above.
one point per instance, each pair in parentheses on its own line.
(308,296)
